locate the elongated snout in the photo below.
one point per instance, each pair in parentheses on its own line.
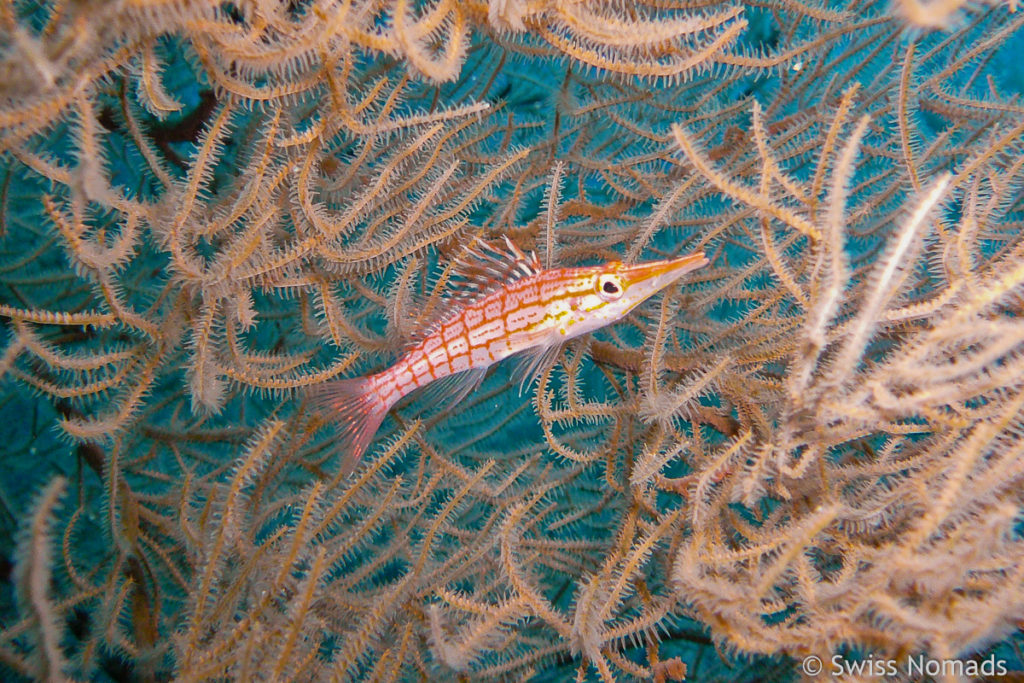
(645,279)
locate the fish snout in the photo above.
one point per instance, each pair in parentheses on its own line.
(653,276)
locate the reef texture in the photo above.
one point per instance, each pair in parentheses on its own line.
(811,446)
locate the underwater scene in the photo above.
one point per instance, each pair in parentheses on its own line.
(511,340)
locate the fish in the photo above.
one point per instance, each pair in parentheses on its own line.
(500,303)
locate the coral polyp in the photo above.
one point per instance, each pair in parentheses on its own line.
(809,447)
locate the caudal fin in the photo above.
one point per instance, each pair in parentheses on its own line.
(356,407)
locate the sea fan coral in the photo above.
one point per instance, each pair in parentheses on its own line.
(810,448)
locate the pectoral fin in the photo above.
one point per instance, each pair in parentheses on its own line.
(532,362)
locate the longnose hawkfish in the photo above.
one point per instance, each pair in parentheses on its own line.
(501,302)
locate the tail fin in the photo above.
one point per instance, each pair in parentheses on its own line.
(357,408)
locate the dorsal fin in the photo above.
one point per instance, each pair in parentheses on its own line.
(483,268)
(486,267)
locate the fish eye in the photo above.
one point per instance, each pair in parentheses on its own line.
(609,287)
